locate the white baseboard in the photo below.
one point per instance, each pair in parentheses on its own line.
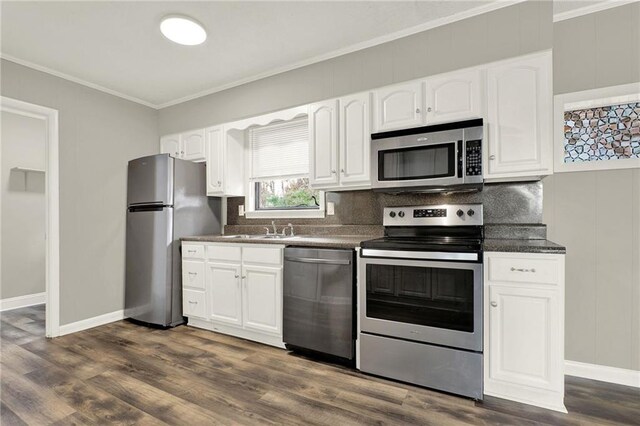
(91,322)
(22,301)
(603,373)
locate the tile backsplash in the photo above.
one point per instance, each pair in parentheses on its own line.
(519,202)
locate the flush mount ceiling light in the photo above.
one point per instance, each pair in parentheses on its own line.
(183,30)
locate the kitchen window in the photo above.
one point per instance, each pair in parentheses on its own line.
(279,172)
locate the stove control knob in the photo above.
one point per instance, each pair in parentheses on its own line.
(460,213)
(470,212)
(392,214)
(401,213)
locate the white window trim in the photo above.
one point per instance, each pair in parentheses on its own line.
(250,211)
(586,99)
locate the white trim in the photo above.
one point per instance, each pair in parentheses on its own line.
(489,7)
(92,322)
(586,99)
(216,327)
(77,80)
(586,10)
(52,193)
(22,301)
(603,373)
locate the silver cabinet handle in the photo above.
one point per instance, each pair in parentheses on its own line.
(522,270)
(429,109)
(219,183)
(192,273)
(244,277)
(237,276)
(492,157)
(494,304)
(333,172)
(342,171)
(417,110)
(192,302)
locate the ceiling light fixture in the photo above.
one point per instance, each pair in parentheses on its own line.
(183,30)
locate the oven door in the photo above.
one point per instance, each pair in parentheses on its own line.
(418,160)
(422,300)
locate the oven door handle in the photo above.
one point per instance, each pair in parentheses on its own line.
(420,255)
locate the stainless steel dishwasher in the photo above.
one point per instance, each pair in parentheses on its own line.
(319,303)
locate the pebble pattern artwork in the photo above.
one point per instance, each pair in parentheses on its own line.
(602,133)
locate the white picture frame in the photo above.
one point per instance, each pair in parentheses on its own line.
(606,96)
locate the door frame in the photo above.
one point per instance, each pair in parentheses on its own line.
(52,205)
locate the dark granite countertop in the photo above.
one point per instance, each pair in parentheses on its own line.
(523,246)
(329,241)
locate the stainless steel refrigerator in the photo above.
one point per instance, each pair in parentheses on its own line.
(166,200)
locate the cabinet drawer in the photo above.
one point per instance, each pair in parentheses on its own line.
(192,251)
(193,274)
(518,269)
(193,303)
(228,252)
(262,255)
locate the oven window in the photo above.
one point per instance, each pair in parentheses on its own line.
(421,162)
(435,297)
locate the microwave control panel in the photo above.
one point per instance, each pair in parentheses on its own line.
(473,158)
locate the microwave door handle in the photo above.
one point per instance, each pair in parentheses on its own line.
(461,165)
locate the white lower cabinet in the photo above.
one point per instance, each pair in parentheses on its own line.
(242,293)
(524,328)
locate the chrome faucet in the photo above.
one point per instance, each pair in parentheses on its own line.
(291,229)
(275,229)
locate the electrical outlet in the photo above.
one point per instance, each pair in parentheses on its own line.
(241,210)
(331,208)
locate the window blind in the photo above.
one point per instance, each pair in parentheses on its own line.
(280,150)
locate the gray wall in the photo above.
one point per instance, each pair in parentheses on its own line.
(596,214)
(99,134)
(507,32)
(23,206)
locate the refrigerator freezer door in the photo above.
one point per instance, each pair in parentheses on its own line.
(150,180)
(149,265)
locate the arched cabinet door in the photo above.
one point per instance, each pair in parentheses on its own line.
(170,144)
(519,99)
(454,97)
(323,143)
(193,145)
(398,106)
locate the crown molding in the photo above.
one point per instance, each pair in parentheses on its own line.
(77,80)
(495,5)
(594,8)
(498,4)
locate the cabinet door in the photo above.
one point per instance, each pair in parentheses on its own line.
(398,106)
(193,145)
(215,159)
(355,140)
(323,146)
(224,293)
(170,144)
(454,97)
(524,344)
(519,95)
(262,297)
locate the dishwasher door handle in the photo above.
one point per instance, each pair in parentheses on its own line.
(319,261)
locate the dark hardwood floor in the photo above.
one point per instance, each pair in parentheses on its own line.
(122,373)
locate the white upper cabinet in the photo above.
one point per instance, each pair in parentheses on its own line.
(170,144)
(398,106)
(186,146)
(215,159)
(193,145)
(225,161)
(519,100)
(355,140)
(454,96)
(323,144)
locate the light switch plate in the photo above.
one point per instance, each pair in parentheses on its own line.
(331,208)
(241,210)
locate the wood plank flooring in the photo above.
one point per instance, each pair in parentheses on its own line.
(122,373)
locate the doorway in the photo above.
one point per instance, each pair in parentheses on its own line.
(29,240)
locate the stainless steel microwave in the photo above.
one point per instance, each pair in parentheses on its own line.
(442,157)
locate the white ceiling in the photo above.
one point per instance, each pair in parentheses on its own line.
(118,46)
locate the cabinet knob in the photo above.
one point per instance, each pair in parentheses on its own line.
(429,109)
(494,304)
(219,183)
(244,277)
(181,152)
(492,157)
(237,276)
(417,110)
(192,302)
(342,171)
(333,172)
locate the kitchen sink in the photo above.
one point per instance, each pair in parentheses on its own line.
(258,237)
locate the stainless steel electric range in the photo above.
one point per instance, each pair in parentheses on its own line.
(421,298)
